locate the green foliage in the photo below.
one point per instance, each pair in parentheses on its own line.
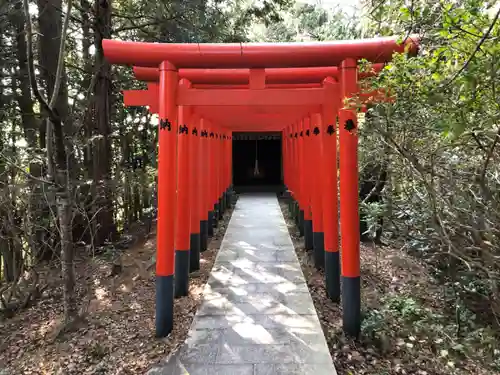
(441,138)
(305,22)
(196,21)
(403,323)
(373,211)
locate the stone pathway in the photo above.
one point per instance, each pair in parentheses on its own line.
(257,316)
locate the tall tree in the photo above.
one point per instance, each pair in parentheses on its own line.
(58,153)
(105,226)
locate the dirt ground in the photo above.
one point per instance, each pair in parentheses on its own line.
(117,333)
(405,329)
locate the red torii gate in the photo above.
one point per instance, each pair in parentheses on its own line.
(309,138)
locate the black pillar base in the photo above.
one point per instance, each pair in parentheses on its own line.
(224,202)
(301,223)
(164,305)
(228,198)
(319,249)
(291,208)
(210,223)
(332,275)
(286,194)
(181,273)
(234,197)
(203,235)
(308,234)
(216,215)
(221,208)
(351,305)
(194,252)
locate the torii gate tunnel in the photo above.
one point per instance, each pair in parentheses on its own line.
(203,93)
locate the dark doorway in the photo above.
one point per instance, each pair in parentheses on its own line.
(257,162)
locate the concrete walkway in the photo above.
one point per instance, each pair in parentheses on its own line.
(257,316)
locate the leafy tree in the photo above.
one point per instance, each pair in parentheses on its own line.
(305,22)
(77,169)
(441,137)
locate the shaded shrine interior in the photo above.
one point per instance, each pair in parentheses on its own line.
(257,162)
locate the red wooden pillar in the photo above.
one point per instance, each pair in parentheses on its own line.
(216,180)
(285,150)
(302,178)
(291,171)
(167,155)
(330,196)
(296,172)
(215,192)
(230,167)
(349,212)
(182,229)
(222,178)
(220,174)
(308,185)
(210,178)
(227,149)
(222,187)
(317,185)
(204,185)
(225,185)
(195,194)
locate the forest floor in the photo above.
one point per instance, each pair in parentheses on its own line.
(405,329)
(116,335)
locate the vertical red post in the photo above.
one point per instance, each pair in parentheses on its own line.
(222,187)
(291,172)
(296,173)
(167,154)
(330,195)
(195,194)
(182,230)
(286,159)
(227,183)
(216,175)
(308,185)
(349,211)
(220,169)
(317,193)
(210,178)
(216,165)
(230,167)
(204,185)
(227,178)
(302,176)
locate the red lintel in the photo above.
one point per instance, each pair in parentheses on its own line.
(242,76)
(270,97)
(253,55)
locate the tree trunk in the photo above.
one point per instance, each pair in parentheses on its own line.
(106,229)
(24,100)
(82,224)
(146,191)
(5,251)
(87,66)
(55,122)
(64,213)
(50,26)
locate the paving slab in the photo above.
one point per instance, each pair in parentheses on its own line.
(257,316)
